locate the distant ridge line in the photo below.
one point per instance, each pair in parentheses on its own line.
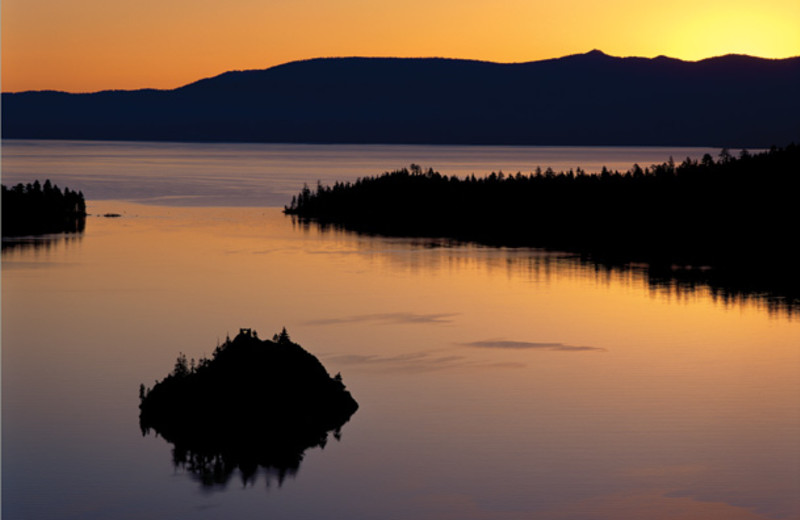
(581,99)
(594,53)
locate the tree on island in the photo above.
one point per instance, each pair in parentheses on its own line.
(254,404)
(35,209)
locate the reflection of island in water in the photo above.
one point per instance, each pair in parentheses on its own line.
(255,405)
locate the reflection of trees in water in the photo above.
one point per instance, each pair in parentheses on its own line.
(256,406)
(762,289)
(41,243)
(770,291)
(214,461)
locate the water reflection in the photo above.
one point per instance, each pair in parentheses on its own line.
(214,462)
(690,411)
(40,243)
(777,295)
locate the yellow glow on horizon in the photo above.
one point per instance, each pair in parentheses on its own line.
(762,33)
(90,45)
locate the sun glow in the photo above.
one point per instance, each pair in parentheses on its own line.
(90,45)
(707,33)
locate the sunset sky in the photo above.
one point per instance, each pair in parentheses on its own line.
(90,45)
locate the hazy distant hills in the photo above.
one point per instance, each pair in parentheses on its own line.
(585,99)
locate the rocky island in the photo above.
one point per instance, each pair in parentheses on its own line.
(255,404)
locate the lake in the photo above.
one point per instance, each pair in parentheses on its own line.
(493,383)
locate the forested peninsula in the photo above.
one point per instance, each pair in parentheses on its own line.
(735,214)
(36,209)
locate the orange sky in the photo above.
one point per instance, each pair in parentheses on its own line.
(90,45)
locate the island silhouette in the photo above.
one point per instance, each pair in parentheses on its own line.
(256,404)
(38,209)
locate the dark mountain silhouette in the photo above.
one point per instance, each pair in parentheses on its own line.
(586,99)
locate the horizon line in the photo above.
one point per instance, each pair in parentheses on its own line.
(368,57)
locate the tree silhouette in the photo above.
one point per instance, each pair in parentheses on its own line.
(34,209)
(254,404)
(731,215)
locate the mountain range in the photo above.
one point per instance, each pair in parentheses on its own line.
(584,99)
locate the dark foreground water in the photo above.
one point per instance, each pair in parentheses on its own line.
(493,383)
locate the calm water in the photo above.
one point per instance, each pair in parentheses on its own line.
(493,383)
(194,174)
